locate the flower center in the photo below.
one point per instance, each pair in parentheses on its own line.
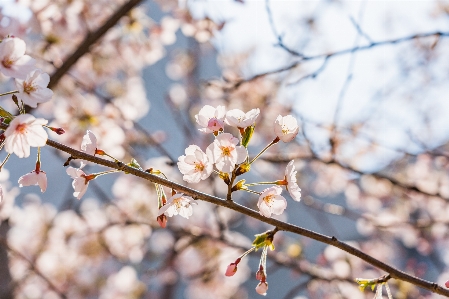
(284,130)
(21,128)
(28,87)
(7,63)
(226,151)
(269,200)
(199,166)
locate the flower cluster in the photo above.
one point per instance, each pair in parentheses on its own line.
(229,155)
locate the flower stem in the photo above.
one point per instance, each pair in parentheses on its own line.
(252,191)
(9,92)
(105,172)
(263,151)
(4,161)
(261,183)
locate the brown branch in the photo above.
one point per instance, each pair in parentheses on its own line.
(89,40)
(394,273)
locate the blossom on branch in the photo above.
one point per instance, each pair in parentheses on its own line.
(286,128)
(89,143)
(225,153)
(271,202)
(36,177)
(238,118)
(80,181)
(178,204)
(24,131)
(211,119)
(13,61)
(195,165)
(33,90)
(290,178)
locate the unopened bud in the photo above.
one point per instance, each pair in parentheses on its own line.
(58,131)
(162,220)
(245,167)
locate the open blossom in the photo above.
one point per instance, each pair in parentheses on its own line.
(290,177)
(262,288)
(36,177)
(80,181)
(178,204)
(24,131)
(89,143)
(271,202)
(286,128)
(195,165)
(225,153)
(13,61)
(238,118)
(211,119)
(33,90)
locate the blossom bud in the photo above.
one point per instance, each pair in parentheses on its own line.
(260,274)
(447,284)
(262,288)
(162,220)
(232,268)
(243,168)
(58,131)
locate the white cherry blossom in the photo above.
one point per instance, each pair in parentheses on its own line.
(13,61)
(80,181)
(33,90)
(271,202)
(238,118)
(89,143)
(211,119)
(286,128)
(195,165)
(290,178)
(225,153)
(24,131)
(178,204)
(36,177)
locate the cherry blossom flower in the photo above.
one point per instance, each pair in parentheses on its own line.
(13,61)
(178,204)
(80,181)
(262,288)
(225,153)
(33,90)
(271,202)
(211,119)
(290,177)
(36,177)
(195,165)
(89,143)
(286,128)
(24,131)
(238,118)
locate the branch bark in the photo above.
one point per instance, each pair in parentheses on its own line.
(394,273)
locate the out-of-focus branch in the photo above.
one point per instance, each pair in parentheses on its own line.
(394,273)
(89,40)
(5,276)
(301,59)
(4,244)
(377,175)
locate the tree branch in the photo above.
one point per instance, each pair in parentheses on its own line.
(394,273)
(89,40)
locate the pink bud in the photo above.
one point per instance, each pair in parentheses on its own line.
(58,131)
(162,220)
(262,288)
(232,268)
(447,284)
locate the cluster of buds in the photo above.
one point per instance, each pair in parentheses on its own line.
(264,241)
